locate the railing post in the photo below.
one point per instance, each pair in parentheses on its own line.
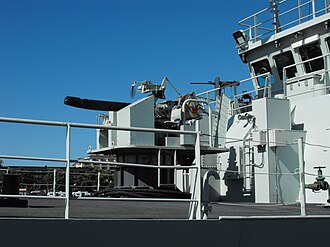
(175,170)
(302,198)
(299,11)
(158,170)
(198,177)
(54,182)
(98,180)
(313,9)
(326,70)
(250,34)
(67,173)
(236,104)
(284,82)
(267,83)
(255,20)
(210,119)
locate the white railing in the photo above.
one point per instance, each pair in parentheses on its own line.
(258,26)
(254,93)
(195,201)
(325,71)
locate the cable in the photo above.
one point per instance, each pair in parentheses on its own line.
(261,173)
(255,205)
(173,86)
(313,174)
(267,142)
(316,145)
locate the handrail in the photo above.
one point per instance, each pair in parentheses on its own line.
(314,90)
(257,88)
(298,78)
(239,82)
(196,195)
(300,63)
(257,25)
(92,126)
(209,113)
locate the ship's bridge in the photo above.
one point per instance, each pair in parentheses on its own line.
(285,45)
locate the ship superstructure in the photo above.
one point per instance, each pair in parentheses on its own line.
(288,58)
(249,138)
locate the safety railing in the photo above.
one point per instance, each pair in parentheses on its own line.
(324,73)
(238,106)
(49,180)
(195,201)
(259,25)
(299,173)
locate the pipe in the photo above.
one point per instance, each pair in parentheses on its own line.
(301,178)
(67,173)
(205,198)
(98,180)
(54,182)
(314,186)
(186,102)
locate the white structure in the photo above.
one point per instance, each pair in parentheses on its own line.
(289,64)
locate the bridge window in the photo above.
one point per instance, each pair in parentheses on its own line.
(261,67)
(311,51)
(283,60)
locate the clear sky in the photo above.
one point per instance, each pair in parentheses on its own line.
(95,49)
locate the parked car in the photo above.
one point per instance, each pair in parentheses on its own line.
(80,193)
(37,193)
(57,193)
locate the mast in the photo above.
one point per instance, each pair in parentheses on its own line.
(273,6)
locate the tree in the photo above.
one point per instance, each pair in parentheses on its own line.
(60,178)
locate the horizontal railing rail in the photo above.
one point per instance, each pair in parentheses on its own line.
(235,106)
(258,26)
(195,209)
(325,71)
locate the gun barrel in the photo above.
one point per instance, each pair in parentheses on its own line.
(91,104)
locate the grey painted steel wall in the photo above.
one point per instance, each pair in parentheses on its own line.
(225,232)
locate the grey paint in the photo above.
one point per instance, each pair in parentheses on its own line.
(226,232)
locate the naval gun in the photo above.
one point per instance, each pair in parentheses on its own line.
(186,112)
(167,113)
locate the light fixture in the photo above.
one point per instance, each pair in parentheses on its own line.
(240,39)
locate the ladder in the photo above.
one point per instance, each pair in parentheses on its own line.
(247,164)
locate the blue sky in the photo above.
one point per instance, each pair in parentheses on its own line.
(96,49)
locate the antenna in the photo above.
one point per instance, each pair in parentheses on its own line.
(273,5)
(166,79)
(133,90)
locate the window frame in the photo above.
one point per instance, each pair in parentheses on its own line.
(307,54)
(256,72)
(292,71)
(327,41)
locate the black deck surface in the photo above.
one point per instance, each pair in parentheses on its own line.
(99,209)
